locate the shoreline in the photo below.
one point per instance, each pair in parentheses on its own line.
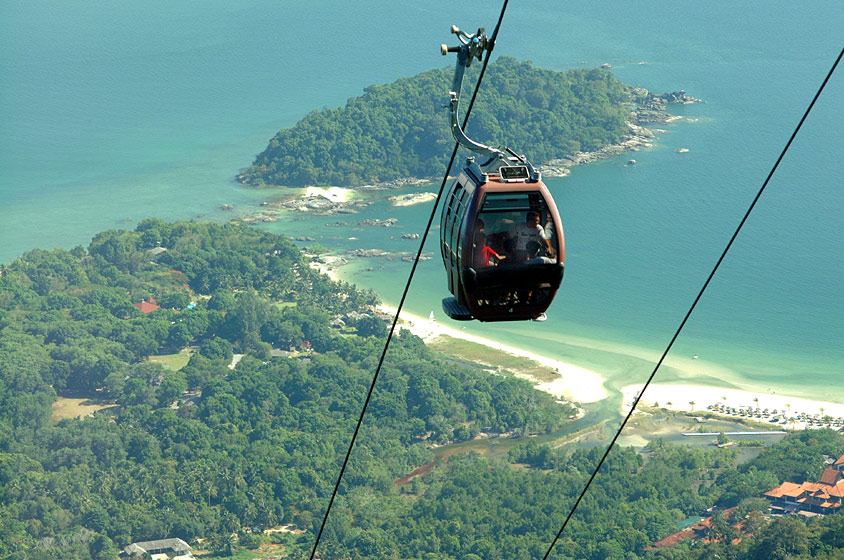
(585,386)
(791,412)
(647,109)
(575,383)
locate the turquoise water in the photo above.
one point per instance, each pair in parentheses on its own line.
(112,113)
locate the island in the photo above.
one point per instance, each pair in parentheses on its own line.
(398,132)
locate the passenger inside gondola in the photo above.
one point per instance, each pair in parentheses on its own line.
(514,243)
(482,254)
(529,232)
(536,254)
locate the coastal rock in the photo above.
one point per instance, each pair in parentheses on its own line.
(395,184)
(320,205)
(648,108)
(412,198)
(389,222)
(367,253)
(411,258)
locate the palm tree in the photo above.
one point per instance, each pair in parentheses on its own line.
(223,545)
(692,405)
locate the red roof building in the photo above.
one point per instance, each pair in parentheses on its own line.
(698,531)
(147,306)
(824,496)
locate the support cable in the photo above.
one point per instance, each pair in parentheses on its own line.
(407,286)
(694,304)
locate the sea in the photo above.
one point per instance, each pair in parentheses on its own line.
(114,112)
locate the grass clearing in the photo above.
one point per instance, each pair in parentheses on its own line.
(473,352)
(268,551)
(66,407)
(175,361)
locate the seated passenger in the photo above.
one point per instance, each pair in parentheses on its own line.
(529,231)
(536,256)
(482,254)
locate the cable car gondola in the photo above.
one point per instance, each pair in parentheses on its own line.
(501,236)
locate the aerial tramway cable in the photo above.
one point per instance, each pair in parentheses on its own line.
(490,46)
(694,304)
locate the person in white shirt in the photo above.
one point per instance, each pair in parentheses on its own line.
(531,231)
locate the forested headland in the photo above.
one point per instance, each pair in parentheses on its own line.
(401,130)
(251,431)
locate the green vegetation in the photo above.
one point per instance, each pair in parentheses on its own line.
(400,129)
(209,451)
(172,361)
(206,450)
(472,352)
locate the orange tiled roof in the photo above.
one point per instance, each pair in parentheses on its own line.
(840,461)
(828,493)
(672,539)
(789,489)
(147,306)
(831,476)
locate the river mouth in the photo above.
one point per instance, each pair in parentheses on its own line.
(599,424)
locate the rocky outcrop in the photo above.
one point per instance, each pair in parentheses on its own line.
(648,108)
(389,222)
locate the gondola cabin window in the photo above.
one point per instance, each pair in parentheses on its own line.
(514,228)
(452,219)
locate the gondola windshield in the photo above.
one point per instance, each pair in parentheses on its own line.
(510,230)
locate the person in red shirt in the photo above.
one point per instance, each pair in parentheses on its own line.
(482,254)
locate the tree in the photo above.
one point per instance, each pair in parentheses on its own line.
(177,300)
(223,544)
(179,336)
(171,388)
(217,349)
(371,326)
(784,538)
(102,548)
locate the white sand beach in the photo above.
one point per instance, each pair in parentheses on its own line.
(412,198)
(586,386)
(575,383)
(791,412)
(334,194)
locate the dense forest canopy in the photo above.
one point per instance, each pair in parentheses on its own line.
(217,444)
(219,448)
(401,129)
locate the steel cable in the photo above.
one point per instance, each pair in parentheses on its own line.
(491,45)
(694,304)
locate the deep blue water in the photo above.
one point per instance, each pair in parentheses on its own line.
(111,113)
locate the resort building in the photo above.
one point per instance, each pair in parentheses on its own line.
(822,497)
(147,306)
(169,549)
(700,531)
